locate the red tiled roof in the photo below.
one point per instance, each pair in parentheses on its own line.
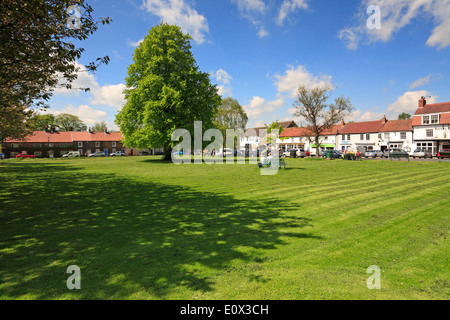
(397,125)
(362,127)
(434,108)
(96,136)
(67,137)
(306,131)
(45,137)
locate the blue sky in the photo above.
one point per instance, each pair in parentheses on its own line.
(259,52)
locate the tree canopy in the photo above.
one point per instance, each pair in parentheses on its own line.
(230,115)
(165,91)
(37,54)
(311,105)
(404,116)
(69,122)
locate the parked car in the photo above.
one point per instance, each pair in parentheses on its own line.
(72,154)
(335,154)
(421,153)
(444,153)
(25,156)
(117,154)
(144,153)
(386,153)
(374,154)
(301,153)
(97,154)
(398,153)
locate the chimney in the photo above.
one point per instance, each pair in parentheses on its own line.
(53,129)
(106,131)
(422,102)
(343,123)
(384,120)
(89,130)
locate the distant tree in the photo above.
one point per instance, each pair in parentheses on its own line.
(99,127)
(13,122)
(404,116)
(40,121)
(69,122)
(166,91)
(312,106)
(38,54)
(230,115)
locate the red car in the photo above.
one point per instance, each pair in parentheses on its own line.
(25,156)
(444,153)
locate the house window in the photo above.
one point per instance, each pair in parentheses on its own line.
(435,118)
(63,152)
(97,144)
(36,145)
(81,152)
(114,150)
(38,154)
(14,154)
(63,145)
(343,137)
(426,120)
(430,133)
(114,144)
(349,137)
(15,146)
(387,135)
(361,136)
(403,135)
(97,150)
(367,136)
(50,145)
(80,144)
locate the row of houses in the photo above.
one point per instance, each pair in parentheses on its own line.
(54,144)
(428,129)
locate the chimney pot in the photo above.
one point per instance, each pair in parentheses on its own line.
(422,102)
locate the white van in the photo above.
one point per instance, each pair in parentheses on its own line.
(72,154)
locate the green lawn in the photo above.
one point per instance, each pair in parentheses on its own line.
(143,229)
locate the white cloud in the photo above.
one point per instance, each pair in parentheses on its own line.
(262,32)
(223,78)
(409,102)
(254,11)
(131,43)
(108,95)
(259,106)
(179,13)
(421,82)
(290,6)
(293,77)
(87,114)
(350,37)
(395,15)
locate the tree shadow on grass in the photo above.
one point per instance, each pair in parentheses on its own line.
(127,236)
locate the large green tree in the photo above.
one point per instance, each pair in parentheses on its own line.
(166,91)
(38,53)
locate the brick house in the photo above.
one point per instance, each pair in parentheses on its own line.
(362,135)
(397,134)
(431,126)
(54,144)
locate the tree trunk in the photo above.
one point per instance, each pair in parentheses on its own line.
(167,154)
(317,147)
